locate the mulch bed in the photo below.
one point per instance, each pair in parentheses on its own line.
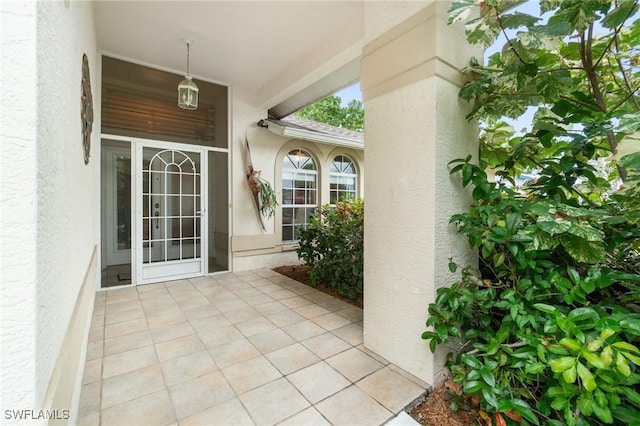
(435,410)
(301,273)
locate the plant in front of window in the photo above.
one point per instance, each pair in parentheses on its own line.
(332,244)
(548,330)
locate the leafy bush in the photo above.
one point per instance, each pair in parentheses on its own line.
(550,333)
(547,331)
(332,244)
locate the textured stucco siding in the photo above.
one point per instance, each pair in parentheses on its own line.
(67,214)
(415,125)
(49,225)
(269,261)
(400,224)
(18,203)
(408,238)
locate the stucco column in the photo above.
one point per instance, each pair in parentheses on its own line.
(415,125)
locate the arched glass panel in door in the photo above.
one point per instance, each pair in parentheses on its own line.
(171,202)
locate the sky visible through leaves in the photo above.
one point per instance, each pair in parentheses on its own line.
(530,7)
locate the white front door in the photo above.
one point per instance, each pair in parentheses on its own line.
(170,206)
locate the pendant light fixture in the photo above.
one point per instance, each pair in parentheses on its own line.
(187,89)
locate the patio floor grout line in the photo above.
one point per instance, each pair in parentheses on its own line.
(265,284)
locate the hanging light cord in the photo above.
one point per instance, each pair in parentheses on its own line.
(188,46)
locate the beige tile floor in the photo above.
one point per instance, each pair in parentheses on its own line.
(248,348)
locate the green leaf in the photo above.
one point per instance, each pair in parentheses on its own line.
(582,250)
(603,413)
(585,402)
(626,346)
(622,365)
(549,309)
(586,231)
(473,375)
(634,359)
(560,403)
(594,345)
(559,365)
(632,396)
(569,375)
(535,368)
(503,333)
(493,347)
(587,379)
(498,259)
(587,286)
(472,386)
(490,397)
(471,361)
(617,16)
(583,314)
(593,359)
(607,356)
(626,415)
(460,10)
(631,325)
(517,19)
(572,344)
(574,275)
(606,333)
(488,378)
(631,161)
(555,227)
(525,411)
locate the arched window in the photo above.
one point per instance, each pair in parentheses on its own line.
(343,177)
(299,192)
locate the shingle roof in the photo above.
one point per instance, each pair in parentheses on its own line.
(314,126)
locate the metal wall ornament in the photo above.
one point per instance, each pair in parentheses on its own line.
(86,110)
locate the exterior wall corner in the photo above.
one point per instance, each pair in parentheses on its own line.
(415,125)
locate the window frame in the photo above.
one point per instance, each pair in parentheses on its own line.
(339,174)
(306,207)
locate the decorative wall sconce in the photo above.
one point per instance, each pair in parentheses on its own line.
(187,89)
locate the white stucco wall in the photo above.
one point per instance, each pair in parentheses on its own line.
(408,239)
(415,125)
(18,168)
(380,16)
(68,218)
(252,247)
(49,215)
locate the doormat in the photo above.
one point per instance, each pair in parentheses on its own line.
(124,277)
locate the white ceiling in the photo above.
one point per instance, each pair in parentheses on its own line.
(267,48)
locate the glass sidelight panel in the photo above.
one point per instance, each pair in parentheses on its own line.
(116,174)
(123,201)
(217,213)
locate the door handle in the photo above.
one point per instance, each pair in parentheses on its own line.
(156,214)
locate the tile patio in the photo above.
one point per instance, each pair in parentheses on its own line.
(247,348)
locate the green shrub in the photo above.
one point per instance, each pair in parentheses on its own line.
(547,331)
(332,245)
(550,331)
